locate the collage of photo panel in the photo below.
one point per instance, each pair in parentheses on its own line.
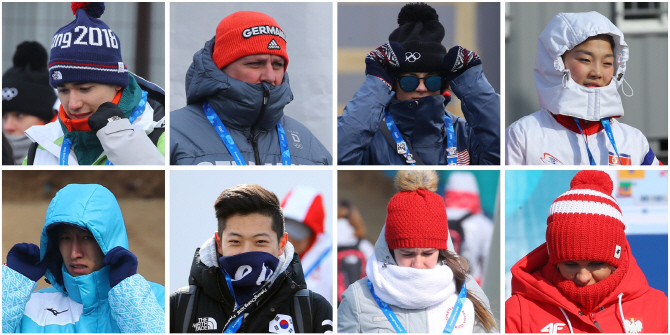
(334,226)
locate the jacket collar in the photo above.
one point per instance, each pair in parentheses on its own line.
(89,289)
(205,272)
(238,104)
(423,118)
(556,90)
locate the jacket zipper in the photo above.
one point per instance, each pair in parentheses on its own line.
(593,319)
(254,135)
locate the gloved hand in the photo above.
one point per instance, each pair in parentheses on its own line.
(24,258)
(457,60)
(122,264)
(105,114)
(383,61)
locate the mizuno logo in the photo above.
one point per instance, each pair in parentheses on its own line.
(55,312)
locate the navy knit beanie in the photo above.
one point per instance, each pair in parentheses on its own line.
(87,50)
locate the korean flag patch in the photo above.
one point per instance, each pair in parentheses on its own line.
(617,252)
(282,323)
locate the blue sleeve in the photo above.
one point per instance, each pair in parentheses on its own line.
(135,306)
(16,291)
(649,158)
(360,121)
(481,107)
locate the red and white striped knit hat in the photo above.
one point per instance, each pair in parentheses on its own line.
(305,204)
(586,223)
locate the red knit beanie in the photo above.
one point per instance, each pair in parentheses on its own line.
(248,33)
(586,223)
(416,216)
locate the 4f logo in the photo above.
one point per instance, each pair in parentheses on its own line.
(552,328)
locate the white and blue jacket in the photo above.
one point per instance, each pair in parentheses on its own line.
(83,304)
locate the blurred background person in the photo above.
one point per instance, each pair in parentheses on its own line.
(27,97)
(470,229)
(305,217)
(352,248)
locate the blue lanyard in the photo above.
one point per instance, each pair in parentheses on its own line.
(452,155)
(317,262)
(456,311)
(235,326)
(230,144)
(401,145)
(386,309)
(67,142)
(65,150)
(393,319)
(608,130)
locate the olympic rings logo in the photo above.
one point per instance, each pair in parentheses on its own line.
(8,93)
(412,56)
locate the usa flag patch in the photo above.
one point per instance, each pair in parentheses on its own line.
(463,158)
(614,160)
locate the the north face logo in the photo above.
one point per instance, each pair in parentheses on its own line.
(273,45)
(56,75)
(206,323)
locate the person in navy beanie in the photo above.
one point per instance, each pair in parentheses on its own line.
(107,115)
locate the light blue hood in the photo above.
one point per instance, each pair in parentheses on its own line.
(89,206)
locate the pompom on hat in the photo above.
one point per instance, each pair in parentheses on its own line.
(86,50)
(416,216)
(586,223)
(247,33)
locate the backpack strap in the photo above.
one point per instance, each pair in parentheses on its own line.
(389,138)
(32,150)
(302,308)
(185,302)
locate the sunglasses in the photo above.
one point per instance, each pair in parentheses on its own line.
(409,83)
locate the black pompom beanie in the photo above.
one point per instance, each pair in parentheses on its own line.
(421,34)
(25,86)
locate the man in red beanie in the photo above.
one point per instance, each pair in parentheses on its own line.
(584,279)
(236,88)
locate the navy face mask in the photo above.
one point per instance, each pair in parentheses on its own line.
(248,271)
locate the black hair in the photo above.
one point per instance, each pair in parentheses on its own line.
(249,199)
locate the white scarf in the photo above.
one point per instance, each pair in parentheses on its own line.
(430,289)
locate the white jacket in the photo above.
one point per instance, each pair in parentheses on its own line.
(530,138)
(539,139)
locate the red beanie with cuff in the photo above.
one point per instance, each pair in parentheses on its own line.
(586,223)
(247,33)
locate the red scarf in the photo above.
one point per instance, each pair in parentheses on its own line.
(81,125)
(589,296)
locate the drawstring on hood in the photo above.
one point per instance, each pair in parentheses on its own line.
(567,319)
(556,90)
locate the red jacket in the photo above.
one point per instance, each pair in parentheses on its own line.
(537,306)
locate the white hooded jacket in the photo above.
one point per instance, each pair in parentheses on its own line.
(541,139)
